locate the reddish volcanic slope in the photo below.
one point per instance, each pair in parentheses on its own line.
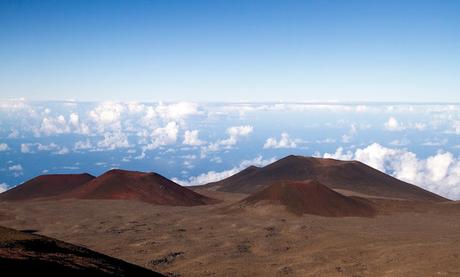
(46,186)
(347,175)
(311,197)
(133,185)
(23,254)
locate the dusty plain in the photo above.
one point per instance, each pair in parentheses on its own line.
(229,239)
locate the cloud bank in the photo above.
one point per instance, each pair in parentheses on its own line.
(439,173)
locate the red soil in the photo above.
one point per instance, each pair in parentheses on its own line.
(133,185)
(311,197)
(46,186)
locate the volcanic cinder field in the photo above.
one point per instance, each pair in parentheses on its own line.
(298,216)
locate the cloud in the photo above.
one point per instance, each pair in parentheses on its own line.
(177,111)
(16,170)
(213,176)
(25,148)
(113,141)
(52,126)
(3,187)
(234,134)
(393,125)
(34,147)
(82,145)
(191,138)
(62,151)
(284,142)
(107,116)
(164,136)
(439,173)
(4,147)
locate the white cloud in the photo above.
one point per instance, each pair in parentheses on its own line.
(393,125)
(284,142)
(3,187)
(213,176)
(191,138)
(16,170)
(52,126)
(82,145)
(456,127)
(34,147)
(4,147)
(62,151)
(439,173)
(47,147)
(177,111)
(16,167)
(164,135)
(107,116)
(234,134)
(25,148)
(13,104)
(113,141)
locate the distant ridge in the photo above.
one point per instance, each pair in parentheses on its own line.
(335,174)
(311,197)
(152,188)
(115,184)
(46,186)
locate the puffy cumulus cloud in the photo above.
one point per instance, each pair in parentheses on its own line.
(51,147)
(393,125)
(47,147)
(191,138)
(439,173)
(177,111)
(113,140)
(16,167)
(234,134)
(3,187)
(4,147)
(14,105)
(62,151)
(16,170)
(213,176)
(82,145)
(52,126)
(135,107)
(77,126)
(456,127)
(163,136)
(284,142)
(25,148)
(107,116)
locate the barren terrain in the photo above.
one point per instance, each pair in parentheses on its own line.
(228,239)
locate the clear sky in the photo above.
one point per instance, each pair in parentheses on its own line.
(231,50)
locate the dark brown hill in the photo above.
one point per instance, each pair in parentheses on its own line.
(311,197)
(348,175)
(46,186)
(23,254)
(133,185)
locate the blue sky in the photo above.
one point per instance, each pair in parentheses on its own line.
(231,50)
